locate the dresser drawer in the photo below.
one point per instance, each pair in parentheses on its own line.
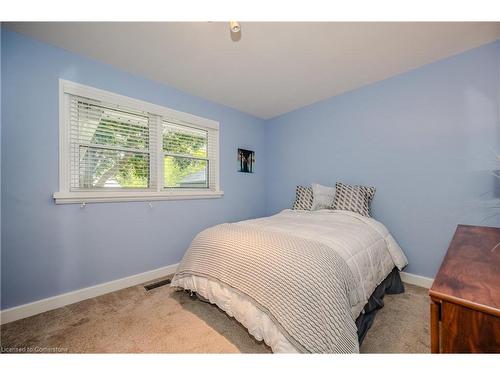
(464,330)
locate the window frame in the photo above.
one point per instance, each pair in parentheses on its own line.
(158,192)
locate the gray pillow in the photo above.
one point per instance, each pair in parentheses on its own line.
(322,196)
(353,198)
(303,198)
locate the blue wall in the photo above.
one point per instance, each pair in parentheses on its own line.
(48,249)
(425,139)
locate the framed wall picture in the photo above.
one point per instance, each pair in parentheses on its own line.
(246,161)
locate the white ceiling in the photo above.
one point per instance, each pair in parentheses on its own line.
(274,67)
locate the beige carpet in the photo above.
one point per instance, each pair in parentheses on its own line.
(164,321)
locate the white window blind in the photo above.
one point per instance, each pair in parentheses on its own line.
(111,146)
(189,156)
(115,148)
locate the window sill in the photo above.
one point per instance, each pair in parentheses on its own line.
(131,196)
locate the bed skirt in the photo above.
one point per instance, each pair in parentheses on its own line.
(392,284)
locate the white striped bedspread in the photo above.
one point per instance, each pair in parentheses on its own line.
(309,272)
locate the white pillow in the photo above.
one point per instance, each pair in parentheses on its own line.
(322,196)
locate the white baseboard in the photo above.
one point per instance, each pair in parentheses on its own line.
(410,278)
(37,307)
(43,305)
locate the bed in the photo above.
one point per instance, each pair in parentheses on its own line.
(299,280)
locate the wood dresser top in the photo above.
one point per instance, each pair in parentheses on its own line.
(470,272)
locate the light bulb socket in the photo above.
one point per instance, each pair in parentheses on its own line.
(235,26)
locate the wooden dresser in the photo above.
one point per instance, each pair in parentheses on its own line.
(465,295)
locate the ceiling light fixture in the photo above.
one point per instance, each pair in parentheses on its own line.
(235,26)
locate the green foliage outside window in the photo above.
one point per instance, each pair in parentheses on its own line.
(177,169)
(100,165)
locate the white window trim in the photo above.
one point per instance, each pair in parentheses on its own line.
(65,195)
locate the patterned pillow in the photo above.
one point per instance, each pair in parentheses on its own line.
(353,198)
(303,198)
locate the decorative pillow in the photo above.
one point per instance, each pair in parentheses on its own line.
(303,198)
(353,198)
(322,196)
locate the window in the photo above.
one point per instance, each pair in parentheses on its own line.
(111,147)
(114,148)
(189,156)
